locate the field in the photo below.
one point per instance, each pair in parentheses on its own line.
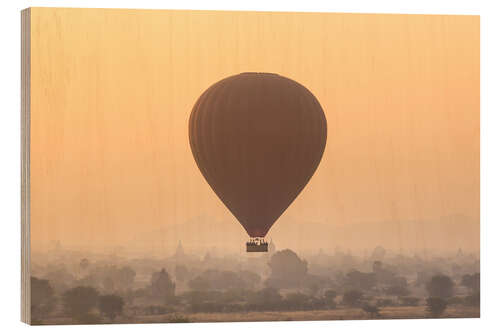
(337,314)
(400,312)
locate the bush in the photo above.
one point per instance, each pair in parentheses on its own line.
(409,301)
(472,281)
(266,299)
(436,306)
(156,310)
(208,307)
(372,310)
(330,294)
(440,286)
(79,301)
(360,281)
(296,301)
(329,298)
(178,318)
(473,300)
(319,303)
(455,300)
(111,305)
(385,302)
(397,291)
(352,297)
(42,298)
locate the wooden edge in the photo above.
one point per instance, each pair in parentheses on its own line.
(25,164)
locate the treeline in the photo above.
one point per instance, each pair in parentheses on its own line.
(104,293)
(86,305)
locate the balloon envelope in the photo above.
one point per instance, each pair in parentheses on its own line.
(257,138)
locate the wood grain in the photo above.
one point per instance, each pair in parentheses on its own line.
(112,91)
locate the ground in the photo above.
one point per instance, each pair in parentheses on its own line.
(410,312)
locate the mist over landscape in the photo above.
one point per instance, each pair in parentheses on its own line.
(213,284)
(442,235)
(133,219)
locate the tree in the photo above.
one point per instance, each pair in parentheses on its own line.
(235,295)
(108,284)
(42,298)
(330,295)
(440,286)
(213,279)
(60,278)
(79,301)
(315,283)
(297,301)
(265,299)
(162,285)
(287,269)
(222,280)
(383,274)
(397,290)
(111,305)
(409,301)
(250,278)
(472,282)
(473,300)
(383,302)
(399,281)
(352,297)
(313,289)
(359,280)
(372,310)
(109,278)
(197,299)
(436,306)
(424,276)
(199,283)
(124,278)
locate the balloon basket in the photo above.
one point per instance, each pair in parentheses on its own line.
(258,245)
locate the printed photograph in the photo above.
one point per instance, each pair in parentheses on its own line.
(224,166)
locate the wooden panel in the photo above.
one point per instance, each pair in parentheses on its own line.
(113,89)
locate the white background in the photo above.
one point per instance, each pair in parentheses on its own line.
(490,163)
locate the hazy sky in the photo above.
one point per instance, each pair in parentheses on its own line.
(112,91)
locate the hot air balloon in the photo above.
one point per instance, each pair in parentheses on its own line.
(257,138)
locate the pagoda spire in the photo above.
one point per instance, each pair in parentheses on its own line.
(179,252)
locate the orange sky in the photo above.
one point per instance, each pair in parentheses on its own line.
(112,91)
